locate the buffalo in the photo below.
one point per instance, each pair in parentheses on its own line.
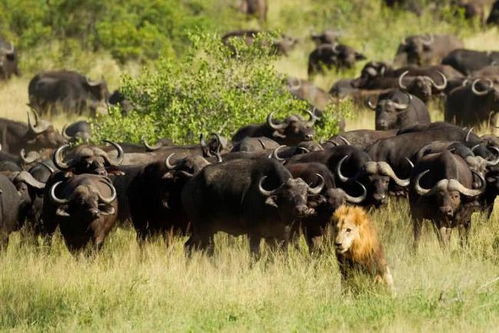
(442,191)
(425,49)
(84,207)
(471,105)
(254,197)
(469,61)
(68,91)
(397,109)
(338,56)
(8,60)
(291,131)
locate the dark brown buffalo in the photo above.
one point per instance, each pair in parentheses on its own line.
(84,207)
(155,196)
(397,109)
(329,56)
(16,136)
(360,138)
(468,61)
(422,86)
(472,105)
(293,130)
(8,60)
(425,49)
(256,8)
(442,191)
(16,201)
(68,91)
(254,197)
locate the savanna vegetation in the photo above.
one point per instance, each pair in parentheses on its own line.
(167,57)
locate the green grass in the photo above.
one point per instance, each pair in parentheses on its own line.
(158,289)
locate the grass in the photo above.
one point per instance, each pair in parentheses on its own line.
(125,288)
(158,289)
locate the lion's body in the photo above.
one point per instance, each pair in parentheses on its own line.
(358,247)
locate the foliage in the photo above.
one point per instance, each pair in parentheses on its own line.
(211,89)
(128,29)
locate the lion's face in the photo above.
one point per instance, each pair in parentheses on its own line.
(347,232)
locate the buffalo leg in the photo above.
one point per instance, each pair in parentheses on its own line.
(417,224)
(254,243)
(4,240)
(464,232)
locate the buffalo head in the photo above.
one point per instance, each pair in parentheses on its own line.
(42,134)
(293,130)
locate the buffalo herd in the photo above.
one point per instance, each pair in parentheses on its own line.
(270,180)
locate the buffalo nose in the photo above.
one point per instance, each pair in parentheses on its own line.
(337,244)
(447,211)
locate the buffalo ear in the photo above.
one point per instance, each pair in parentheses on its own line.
(278,134)
(271,202)
(62,211)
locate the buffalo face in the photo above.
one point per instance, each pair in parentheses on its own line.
(293,130)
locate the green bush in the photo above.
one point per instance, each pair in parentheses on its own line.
(207,90)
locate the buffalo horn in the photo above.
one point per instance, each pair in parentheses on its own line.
(54,197)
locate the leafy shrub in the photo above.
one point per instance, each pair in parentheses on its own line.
(207,90)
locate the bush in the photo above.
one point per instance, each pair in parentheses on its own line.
(207,90)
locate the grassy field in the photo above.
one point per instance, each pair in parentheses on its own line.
(156,288)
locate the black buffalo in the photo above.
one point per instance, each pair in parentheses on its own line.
(442,192)
(291,131)
(254,197)
(337,56)
(468,61)
(474,104)
(84,207)
(397,109)
(425,49)
(16,136)
(68,91)
(8,60)
(79,130)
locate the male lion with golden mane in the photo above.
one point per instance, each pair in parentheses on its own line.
(357,247)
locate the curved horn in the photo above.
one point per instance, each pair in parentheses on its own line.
(28,178)
(387,170)
(35,128)
(357,200)
(370,104)
(454,184)
(342,178)
(64,134)
(54,197)
(313,118)
(496,161)
(444,81)
(428,41)
(272,125)
(204,146)
(403,106)
(262,190)
(303,149)
(421,191)
(481,93)
(401,80)
(410,162)
(93,83)
(168,164)
(342,138)
(113,193)
(150,147)
(57,158)
(468,135)
(275,153)
(219,157)
(46,165)
(121,154)
(317,189)
(334,47)
(219,141)
(30,158)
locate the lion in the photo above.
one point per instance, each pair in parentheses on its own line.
(357,245)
